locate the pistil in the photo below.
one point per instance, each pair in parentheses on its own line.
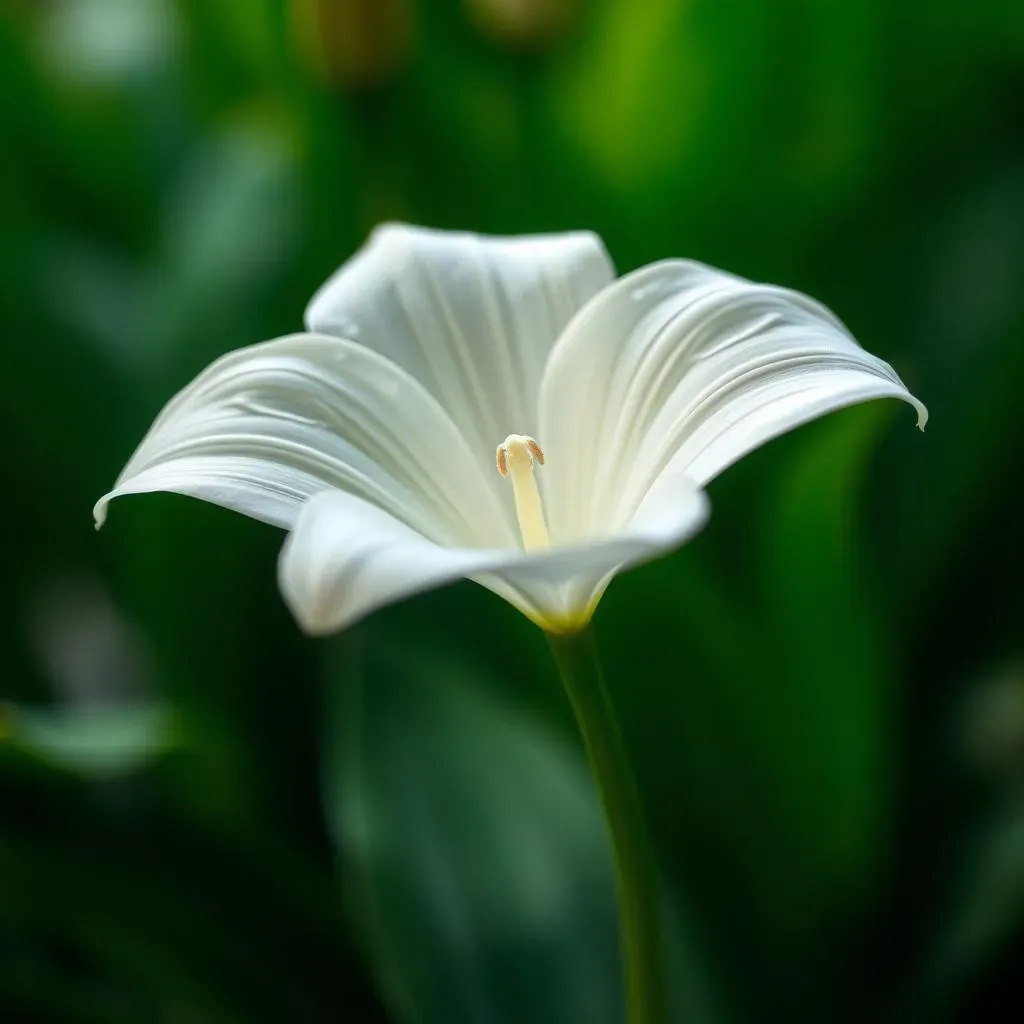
(515,457)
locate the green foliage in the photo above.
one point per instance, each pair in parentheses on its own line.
(479,870)
(99,742)
(205,817)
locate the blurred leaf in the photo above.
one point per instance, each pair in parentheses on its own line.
(826,624)
(232,225)
(477,849)
(176,917)
(471,833)
(99,741)
(986,907)
(968,322)
(610,95)
(755,696)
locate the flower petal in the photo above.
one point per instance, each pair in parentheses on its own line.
(472,317)
(346,558)
(680,367)
(264,428)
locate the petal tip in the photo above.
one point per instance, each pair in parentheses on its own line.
(313,625)
(389,230)
(310,615)
(312,618)
(99,512)
(300,583)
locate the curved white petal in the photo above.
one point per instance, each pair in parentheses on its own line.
(346,558)
(472,317)
(682,367)
(264,428)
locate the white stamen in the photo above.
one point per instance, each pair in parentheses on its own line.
(516,456)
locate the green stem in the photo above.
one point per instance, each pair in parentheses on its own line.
(635,872)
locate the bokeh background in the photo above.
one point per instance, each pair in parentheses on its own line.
(207,818)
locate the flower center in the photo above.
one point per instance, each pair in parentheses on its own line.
(516,456)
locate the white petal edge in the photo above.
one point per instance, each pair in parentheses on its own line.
(346,558)
(682,368)
(264,428)
(472,317)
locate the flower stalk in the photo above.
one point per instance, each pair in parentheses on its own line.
(641,940)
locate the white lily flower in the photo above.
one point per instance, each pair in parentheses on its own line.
(371,438)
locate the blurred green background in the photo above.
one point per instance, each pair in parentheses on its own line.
(205,817)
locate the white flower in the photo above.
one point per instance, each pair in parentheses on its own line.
(372,437)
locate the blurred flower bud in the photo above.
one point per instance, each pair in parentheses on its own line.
(90,653)
(108,42)
(354,44)
(524,24)
(995,726)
